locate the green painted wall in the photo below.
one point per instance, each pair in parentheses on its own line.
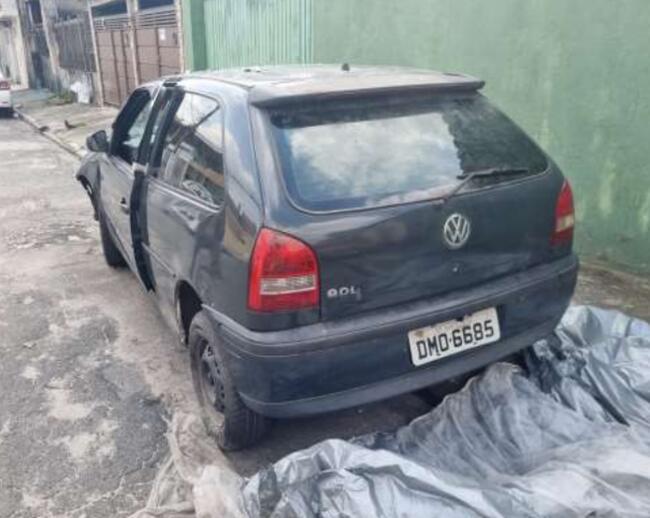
(575,74)
(193,15)
(252,32)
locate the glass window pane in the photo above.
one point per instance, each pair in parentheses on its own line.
(132,122)
(362,153)
(192,157)
(136,131)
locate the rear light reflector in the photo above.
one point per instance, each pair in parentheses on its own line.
(283,274)
(564,216)
(5,85)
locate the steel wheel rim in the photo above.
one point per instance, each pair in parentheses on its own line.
(212,384)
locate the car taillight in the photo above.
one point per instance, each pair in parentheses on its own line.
(564,216)
(283,274)
(4,85)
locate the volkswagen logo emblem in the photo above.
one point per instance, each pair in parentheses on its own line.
(456,231)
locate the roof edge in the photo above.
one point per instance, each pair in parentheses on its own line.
(277,94)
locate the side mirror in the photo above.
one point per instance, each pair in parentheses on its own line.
(98,142)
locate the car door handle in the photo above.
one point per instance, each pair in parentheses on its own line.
(124,206)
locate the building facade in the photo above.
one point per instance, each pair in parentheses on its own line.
(98,49)
(13,58)
(136,41)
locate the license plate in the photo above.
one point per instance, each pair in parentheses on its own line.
(432,343)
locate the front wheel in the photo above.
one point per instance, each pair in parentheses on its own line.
(112,254)
(224,414)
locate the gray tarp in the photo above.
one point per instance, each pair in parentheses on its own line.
(569,438)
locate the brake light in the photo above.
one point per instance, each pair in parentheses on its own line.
(4,85)
(283,274)
(564,217)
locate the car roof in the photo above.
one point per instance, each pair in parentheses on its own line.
(271,85)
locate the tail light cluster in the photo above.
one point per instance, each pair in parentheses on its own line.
(564,217)
(283,274)
(5,85)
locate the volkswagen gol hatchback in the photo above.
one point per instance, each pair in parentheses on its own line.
(324,237)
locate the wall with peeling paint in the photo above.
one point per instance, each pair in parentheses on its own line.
(576,75)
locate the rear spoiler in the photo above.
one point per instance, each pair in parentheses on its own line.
(355,85)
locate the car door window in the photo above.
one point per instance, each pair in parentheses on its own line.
(136,131)
(130,126)
(192,153)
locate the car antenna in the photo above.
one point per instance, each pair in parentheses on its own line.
(345,67)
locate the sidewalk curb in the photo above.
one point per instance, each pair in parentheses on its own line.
(38,127)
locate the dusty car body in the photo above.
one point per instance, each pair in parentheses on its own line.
(322,237)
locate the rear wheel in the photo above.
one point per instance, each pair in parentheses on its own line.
(112,254)
(226,418)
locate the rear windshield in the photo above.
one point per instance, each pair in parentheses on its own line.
(367,153)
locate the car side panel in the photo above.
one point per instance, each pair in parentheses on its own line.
(187,240)
(174,220)
(192,242)
(115,192)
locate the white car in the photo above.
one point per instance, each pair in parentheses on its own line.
(6,105)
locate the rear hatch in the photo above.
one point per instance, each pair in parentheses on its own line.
(393,215)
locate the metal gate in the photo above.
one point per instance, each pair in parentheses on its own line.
(75,44)
(135,50)
(115,58)
(157,43)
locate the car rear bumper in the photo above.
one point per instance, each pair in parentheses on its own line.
(352,361)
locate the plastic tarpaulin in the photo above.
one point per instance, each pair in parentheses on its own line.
(568,437)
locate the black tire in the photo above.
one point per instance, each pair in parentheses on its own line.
(112,254)
(226,418)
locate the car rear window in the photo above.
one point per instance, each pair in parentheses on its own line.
(366,153)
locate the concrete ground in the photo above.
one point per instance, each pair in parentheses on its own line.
(90,373)
(68,123)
